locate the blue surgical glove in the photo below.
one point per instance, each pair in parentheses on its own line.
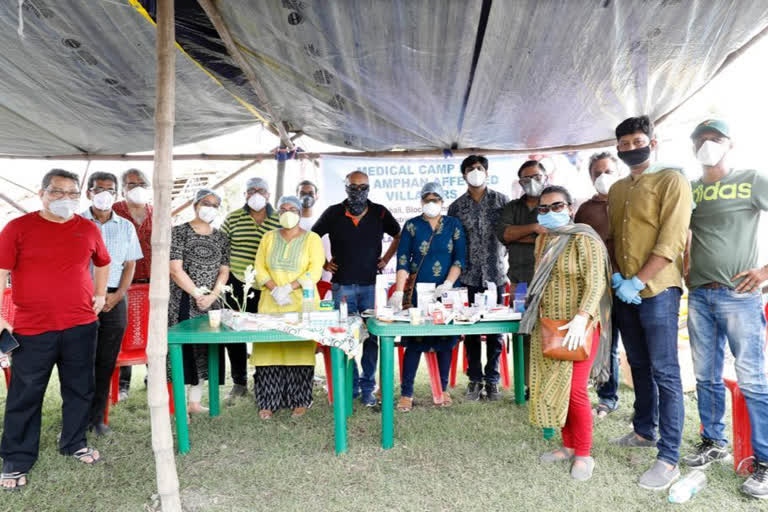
(628,290)
(616,280)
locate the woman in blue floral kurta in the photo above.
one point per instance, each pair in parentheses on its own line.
(443,260)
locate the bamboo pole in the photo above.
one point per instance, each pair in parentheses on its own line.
(13,203)
(280,179)
(226,36)
(157,347)
(217,185)
(387,154)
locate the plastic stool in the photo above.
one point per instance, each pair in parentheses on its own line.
(506,381)
(743,457)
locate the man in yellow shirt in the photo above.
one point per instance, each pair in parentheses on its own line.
(650,211)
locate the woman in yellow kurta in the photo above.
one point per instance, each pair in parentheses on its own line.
(570,285)
(284,371)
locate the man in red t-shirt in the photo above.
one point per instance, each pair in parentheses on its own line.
(48,254)
(136,208)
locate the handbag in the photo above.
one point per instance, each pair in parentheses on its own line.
(410,283)
(552,341)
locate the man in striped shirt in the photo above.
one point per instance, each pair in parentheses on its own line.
(245,227)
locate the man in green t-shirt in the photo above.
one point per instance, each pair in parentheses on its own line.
(724,300)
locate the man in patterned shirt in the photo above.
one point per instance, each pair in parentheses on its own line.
(478,209)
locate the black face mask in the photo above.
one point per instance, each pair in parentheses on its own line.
(635,157)
(357,201)
(307,201)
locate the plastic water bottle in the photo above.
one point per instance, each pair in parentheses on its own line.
(691,484)
(343,311)
(308,298)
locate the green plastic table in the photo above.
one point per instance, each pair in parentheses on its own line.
(197,330)
(388,331)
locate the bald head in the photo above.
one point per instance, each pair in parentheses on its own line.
(356,178)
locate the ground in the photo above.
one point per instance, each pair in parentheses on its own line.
(472,456)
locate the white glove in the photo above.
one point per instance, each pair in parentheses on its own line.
(282,294)
(577,332)
(396,301)
(447,285)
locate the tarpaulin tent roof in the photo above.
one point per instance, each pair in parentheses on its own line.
(368,74)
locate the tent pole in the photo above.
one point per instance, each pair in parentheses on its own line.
(157,347)
(13,203)
(218,184)
(221,27)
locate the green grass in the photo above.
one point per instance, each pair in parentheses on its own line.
(473,456)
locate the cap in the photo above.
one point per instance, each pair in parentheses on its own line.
(201,193)
(289,199)
(257,182)
(433,187)
(716,125)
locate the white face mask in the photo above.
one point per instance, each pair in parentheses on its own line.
(476,178)
(103,201)
(138,195)
(64,208)
(710,153)
(431,210)
(207,214)
(289,219)
(257,202)
(604,182)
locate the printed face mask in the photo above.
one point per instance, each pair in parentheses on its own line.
(710,153)
(357,200)
(307,201)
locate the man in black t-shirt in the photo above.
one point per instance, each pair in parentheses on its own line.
(356,228)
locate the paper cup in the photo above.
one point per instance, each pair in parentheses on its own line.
(214,318)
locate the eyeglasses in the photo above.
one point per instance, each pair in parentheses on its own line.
(99,190)
(57,193)
(528,179)
(555,207)
(131,186)
(358,188)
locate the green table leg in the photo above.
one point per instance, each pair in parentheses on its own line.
(180,400)
(519,363)
(339,400)
(213,380)
(548,432)
(350,377)
(387,363)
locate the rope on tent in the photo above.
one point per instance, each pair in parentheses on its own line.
(20,30)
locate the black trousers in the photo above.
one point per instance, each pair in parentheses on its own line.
(494,344)
(238,352)
(110,337)
(72,352)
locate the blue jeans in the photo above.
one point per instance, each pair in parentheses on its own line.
(649,332)
(713,316)
(608,392)
(360,298)
(494,344)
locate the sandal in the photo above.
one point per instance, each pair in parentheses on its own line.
(447,400)
(298,412)
(81,454)
(265,414)
(405,404)
(602,410)
(15,476)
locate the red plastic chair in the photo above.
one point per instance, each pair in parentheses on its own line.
(743,456)
(133,350)
(506,381)
(323,288)
(9,314)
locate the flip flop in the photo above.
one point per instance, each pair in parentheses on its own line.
(16,476)
(82,453)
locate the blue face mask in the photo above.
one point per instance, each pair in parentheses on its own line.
(553,220)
